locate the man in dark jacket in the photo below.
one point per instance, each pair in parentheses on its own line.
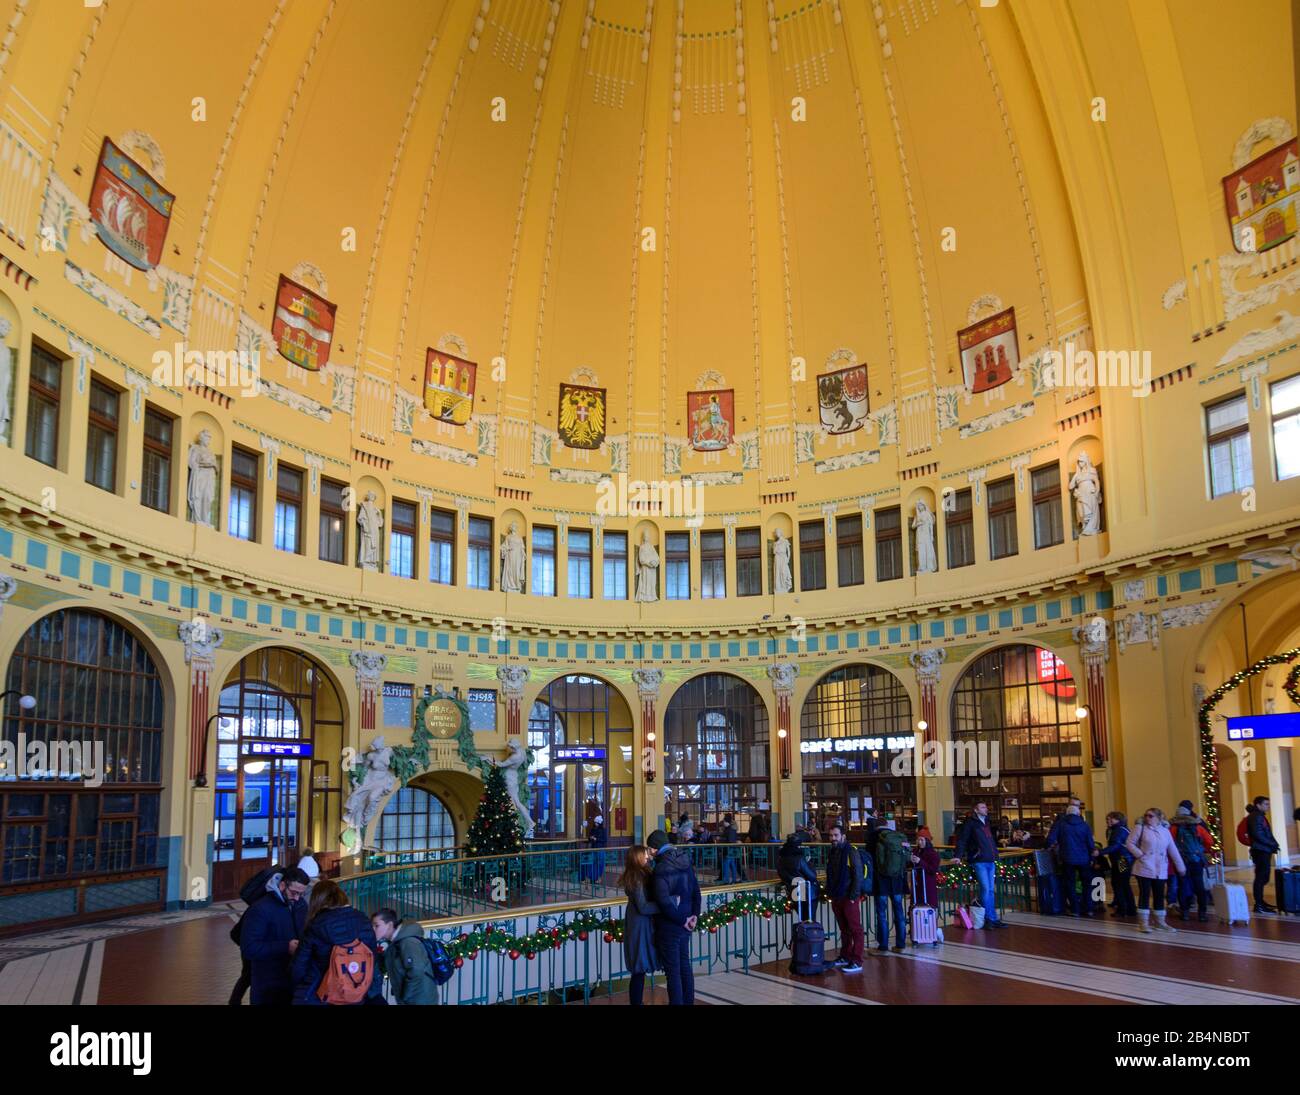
(1074,846)
(979,850)
(730,854)
(269,936)
(1263,847)
(406,961)
(676,893)
(844,887)
(791,865)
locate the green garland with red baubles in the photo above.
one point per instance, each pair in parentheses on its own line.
(466,947)
(1210,763)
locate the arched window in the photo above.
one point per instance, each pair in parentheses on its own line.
(414,820)
(716,751)
(855,723)
(97,719)
(1013,714)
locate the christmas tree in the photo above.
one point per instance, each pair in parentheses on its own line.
(495,829)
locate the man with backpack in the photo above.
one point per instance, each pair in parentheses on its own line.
(409,959)
(1074,846)
(1263,847)
(268,936)
(978,850)
(893,860)
(1194,841)
(843,887)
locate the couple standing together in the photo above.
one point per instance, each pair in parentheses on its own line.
(663,906)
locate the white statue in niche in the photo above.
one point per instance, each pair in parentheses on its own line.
(782,576)
(923,525)
(1085,485)
(6,380)
(647,571)
(202,491)
(514,560)
(370,519)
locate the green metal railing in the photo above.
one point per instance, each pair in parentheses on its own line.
(579,970)
(462,886)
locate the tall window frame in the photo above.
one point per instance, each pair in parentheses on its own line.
(749,562)
(959,530)
(889,544)
(403,536)
(677,566)
(241,519)
(1048,514)
(613,565)
(1284,418)
(1000,499)
(713,564)
(289,496)
(579,562)
(333,522)
(812,555)
(545,551)
(442,546)
(1227,445)
(44,400)
(159,444)
(479,549)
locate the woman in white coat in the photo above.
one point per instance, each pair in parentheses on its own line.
(1152,845)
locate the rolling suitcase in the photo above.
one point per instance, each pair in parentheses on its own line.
(1230,903)
(808,947)
(1287,884)
(924,918)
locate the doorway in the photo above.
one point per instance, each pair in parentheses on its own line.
(274,794)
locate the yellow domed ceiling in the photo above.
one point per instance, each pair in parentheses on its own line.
(648,198)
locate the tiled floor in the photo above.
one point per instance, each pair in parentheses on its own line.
(187,958)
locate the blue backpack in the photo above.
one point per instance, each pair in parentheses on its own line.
(1189,843)
(439,960)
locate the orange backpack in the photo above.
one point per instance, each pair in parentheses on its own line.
(349,974)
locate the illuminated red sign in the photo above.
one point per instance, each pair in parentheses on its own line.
(1054,676)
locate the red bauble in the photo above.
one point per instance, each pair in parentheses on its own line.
(767,915)
(609,938)
(555,933)
(582,936)
(473,955)
(531,956)
(713,930)
(459,962)
(514,954)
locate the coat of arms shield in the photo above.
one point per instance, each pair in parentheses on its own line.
(449,386)
(1261,199)
(129,209)
(303,326)
(842,399)
(989,352)
(712,418)
(582,416)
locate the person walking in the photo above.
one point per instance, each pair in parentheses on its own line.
(1195,842)
(639,921)
(1153,848)
(1263,847)
(332,922)
(893,860)
(1121,864)
(1074,848)
(269,933)
(597,840)
(977,848)
(676,894)
(406,962)
(844,888)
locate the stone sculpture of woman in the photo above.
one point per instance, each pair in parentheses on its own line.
(202,490)
(371,522)
(923,524)
(1085,485)
(782,575)
(647,571)
(514,561)
(375,784)
(514,765)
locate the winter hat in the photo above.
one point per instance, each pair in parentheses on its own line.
(657,839)
(1072,809)
(1186,805)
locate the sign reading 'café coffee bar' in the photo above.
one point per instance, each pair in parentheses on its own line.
(859,745)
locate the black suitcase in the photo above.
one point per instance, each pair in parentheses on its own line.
(1287,884)
(808,947)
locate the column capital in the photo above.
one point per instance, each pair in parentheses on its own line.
(513,677)
(928,663)
(369,666)
(201,642)
(1094,641)
(648,681)
(782,675)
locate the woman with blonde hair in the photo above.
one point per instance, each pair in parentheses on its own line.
(1153,848)
(638,921)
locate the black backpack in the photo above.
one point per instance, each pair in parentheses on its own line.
(249,892)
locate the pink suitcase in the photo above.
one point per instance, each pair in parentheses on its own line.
(924,918)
